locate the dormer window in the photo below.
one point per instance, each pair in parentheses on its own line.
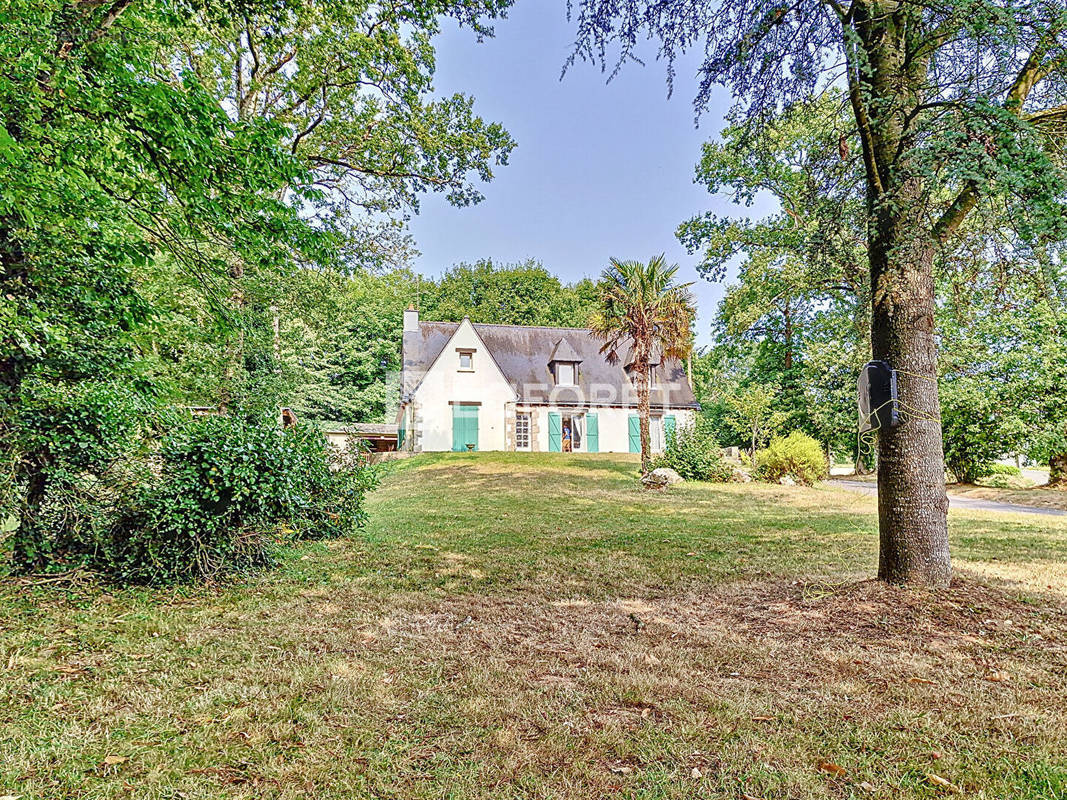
(466,360)
(566,373)
(563,362)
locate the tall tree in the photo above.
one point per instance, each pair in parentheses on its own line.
(107,165)
(643,313)
(351,85)
(952,101)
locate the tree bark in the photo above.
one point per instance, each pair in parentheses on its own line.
(912,501)
(644,409)
(1057,469)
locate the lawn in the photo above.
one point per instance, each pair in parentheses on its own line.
(536,626)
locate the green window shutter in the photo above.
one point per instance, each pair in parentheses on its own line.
(464,427)
(670,424)
(555,433)
(635,433)
(592,433)
(459,429)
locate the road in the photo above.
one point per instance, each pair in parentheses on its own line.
(954,501)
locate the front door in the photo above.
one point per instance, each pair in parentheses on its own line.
(567,433)
(464,427)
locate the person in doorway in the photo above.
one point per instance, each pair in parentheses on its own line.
(566,437)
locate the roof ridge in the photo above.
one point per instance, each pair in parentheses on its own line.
(506,325)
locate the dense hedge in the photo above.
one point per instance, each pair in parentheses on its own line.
(694,453)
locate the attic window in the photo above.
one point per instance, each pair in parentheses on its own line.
(466,360)
(565,373)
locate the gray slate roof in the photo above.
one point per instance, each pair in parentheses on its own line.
(523,354)
(564,351)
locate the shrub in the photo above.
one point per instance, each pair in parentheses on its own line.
(228,490)
(797,456)
(1003,469)
(59,447)
(694,453)
(976,429)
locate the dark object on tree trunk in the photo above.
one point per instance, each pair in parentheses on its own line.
(877,397)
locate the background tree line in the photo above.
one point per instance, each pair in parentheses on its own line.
(337,339)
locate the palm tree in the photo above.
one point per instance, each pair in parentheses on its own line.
(642,308)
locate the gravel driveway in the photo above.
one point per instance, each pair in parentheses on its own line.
(954,501)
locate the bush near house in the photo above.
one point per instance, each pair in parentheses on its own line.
(694,453)
(196,498)
(797,456)
(229,491)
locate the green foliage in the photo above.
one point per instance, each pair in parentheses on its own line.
(797,456)
(796,317)
(164,167)
(694,453)
(1001,373)
(975,434)
(510,294)
(1003,469)
(226,492)
(754,410)
(107,165)
(351,83)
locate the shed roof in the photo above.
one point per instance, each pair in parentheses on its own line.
(361,428)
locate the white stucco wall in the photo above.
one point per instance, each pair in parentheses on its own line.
(613,424)
(445,383)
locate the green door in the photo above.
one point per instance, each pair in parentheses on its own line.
(592,434)
(635,433)
(669,426)
(464,427)
(555,433)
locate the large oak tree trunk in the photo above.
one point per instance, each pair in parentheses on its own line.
(912,501)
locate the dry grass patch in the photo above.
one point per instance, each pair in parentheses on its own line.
(483,639)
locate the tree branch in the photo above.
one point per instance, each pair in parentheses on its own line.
(1031,73)
(109,19)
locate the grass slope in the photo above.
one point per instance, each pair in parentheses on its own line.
(535,626)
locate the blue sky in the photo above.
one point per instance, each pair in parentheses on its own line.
(601,169)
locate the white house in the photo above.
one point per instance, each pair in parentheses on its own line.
(467,386)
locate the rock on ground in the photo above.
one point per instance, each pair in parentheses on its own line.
(665,476)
